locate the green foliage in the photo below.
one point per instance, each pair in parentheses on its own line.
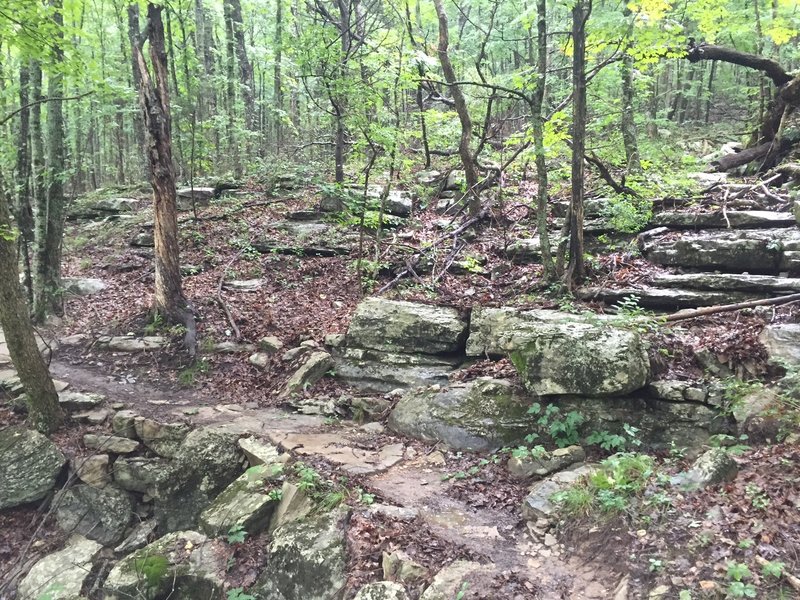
(562,428)
(237,534)
(188,376)
(628,214)
(152,568)
(773,569)
(238,594)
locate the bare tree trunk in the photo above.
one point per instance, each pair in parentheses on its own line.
(50,217)
(628,124)
(467,159)
(24,210)
(44,412)
(277,86)
(575,268)
(230,65)
(138,122)
(154,99)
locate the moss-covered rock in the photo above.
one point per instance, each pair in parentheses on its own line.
(60,576)
(308,560)
(183,565)
(100,514)
(382,590)
(29,465)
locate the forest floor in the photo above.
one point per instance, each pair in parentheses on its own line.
(688,543)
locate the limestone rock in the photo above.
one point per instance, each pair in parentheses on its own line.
(382,590)
(399,566)
(141,474)
(92,469)
(260,453)
(782,342)
(664,298)
(737,219)
(123,424)
(244,503)
(527,466)
(560,353)
(60,576)
(270,344)
(110,443)
(449,581)
(308,560)
(72,401)
(738,282)
(132,344)
(311,371)
(99,514)
(205,464)
(399,202)
(294,505)
(399,326)
(259,359)
(137,538)
(375,371)
(231,347)
(480,415)
(538,504)
(29,465)
(712,467)
(162,438)
(182,565)
(428,177)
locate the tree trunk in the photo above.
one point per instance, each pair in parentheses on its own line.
(50,216)
(24,210)
(44,413)
(538,141)
(467,159)
(154,100)
(277,83)
(628,124)
(138,122)
(230,66)
(245,68)
(575,268)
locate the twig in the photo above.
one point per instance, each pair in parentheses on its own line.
(725,207)
(14,113)
(710,310)
(236,333)
(790,579)
(458,245)
(750,188)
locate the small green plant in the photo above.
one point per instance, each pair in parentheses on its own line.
(188,376)
(628,214)
(237,534)
(614,441)
(758,498)
(740,589)
(462,591)
(238,594)
(746,543)
(152,568)
(365,498)
(275,495)
(685,595)
(773,569)
(656,565)
(309,478)
(155,325)
(562,428)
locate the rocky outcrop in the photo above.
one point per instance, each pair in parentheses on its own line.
(375,371)
(102,515)
(382,590)
(60,575)
(29,465)
(712,467)
(539,503)
(457,577)
(312,369)
(183,565)
(782,342)
(560,353)
(308,560)
(737,219)
(528,466)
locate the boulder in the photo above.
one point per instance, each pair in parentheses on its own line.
(308,560)
(382,590)
(560,353)
(137,538)
(72,401)
(538,504)
(399,566)
(110,443)
(712,467)
(60,576)
(245,503)
(294,505)
(162,438)
(123,424)
(526,467)
(29,465)
(259,359)
(400,202)
(98,514)
(664,298)
(205,464)
(312,370)
(739,282)
(375,371)
(399,326)
(183,565)
(83,286)
(481,415)
(92,469)
(270,344)
(141,474)
(737,219)
(457,576)
(782,342)
(258,452)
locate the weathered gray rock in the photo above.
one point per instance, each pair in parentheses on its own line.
(560,353)
(143,239)
(308,560)
(162,438)
(538,504)
(400,202)
(259,359)
(664,298)
(245,503)
(132,344)
(258,452)
(72,401)
(294,505)
(382,590)
(737,219)
(204,465)
(92,469)
(399,326)
(744,250)
(231,347)
(480,415)
(757,415)
(270,344)
(81,286)
(526,467)
(712,467)
(183,565)
(450,581)
(123,424)
(428,177)
(375,371)
(98,514)
(110,443)
(137,538)
(782,342)
(739,282)
(399,566)
(60,576)
(141,474)
(312,370)
(29,465)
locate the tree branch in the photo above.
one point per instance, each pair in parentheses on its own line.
(11,115)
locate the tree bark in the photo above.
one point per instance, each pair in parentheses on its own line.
(771,68)
(245,68)
(154,100)
(627,123)
(44,412)
(138,121)
(24,210)
(277,83)
(464,151)
(575,268)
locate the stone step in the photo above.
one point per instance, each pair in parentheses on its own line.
(665,298)
(760,251)
(727,282)
(736,219)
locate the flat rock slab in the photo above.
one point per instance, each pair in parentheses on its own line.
(376,371)
(83,286)
(60,575)
(782,342)
(133,344)
(737,219)
(29,465)
(539,503)
(664,298)
(355,461)
(740,282)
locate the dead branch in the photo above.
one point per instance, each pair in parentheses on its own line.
(790,579)
(605,174)
(711,310)
(236,333)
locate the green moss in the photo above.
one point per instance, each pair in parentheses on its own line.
(152,568)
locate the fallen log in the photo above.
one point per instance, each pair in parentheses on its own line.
(712,310)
